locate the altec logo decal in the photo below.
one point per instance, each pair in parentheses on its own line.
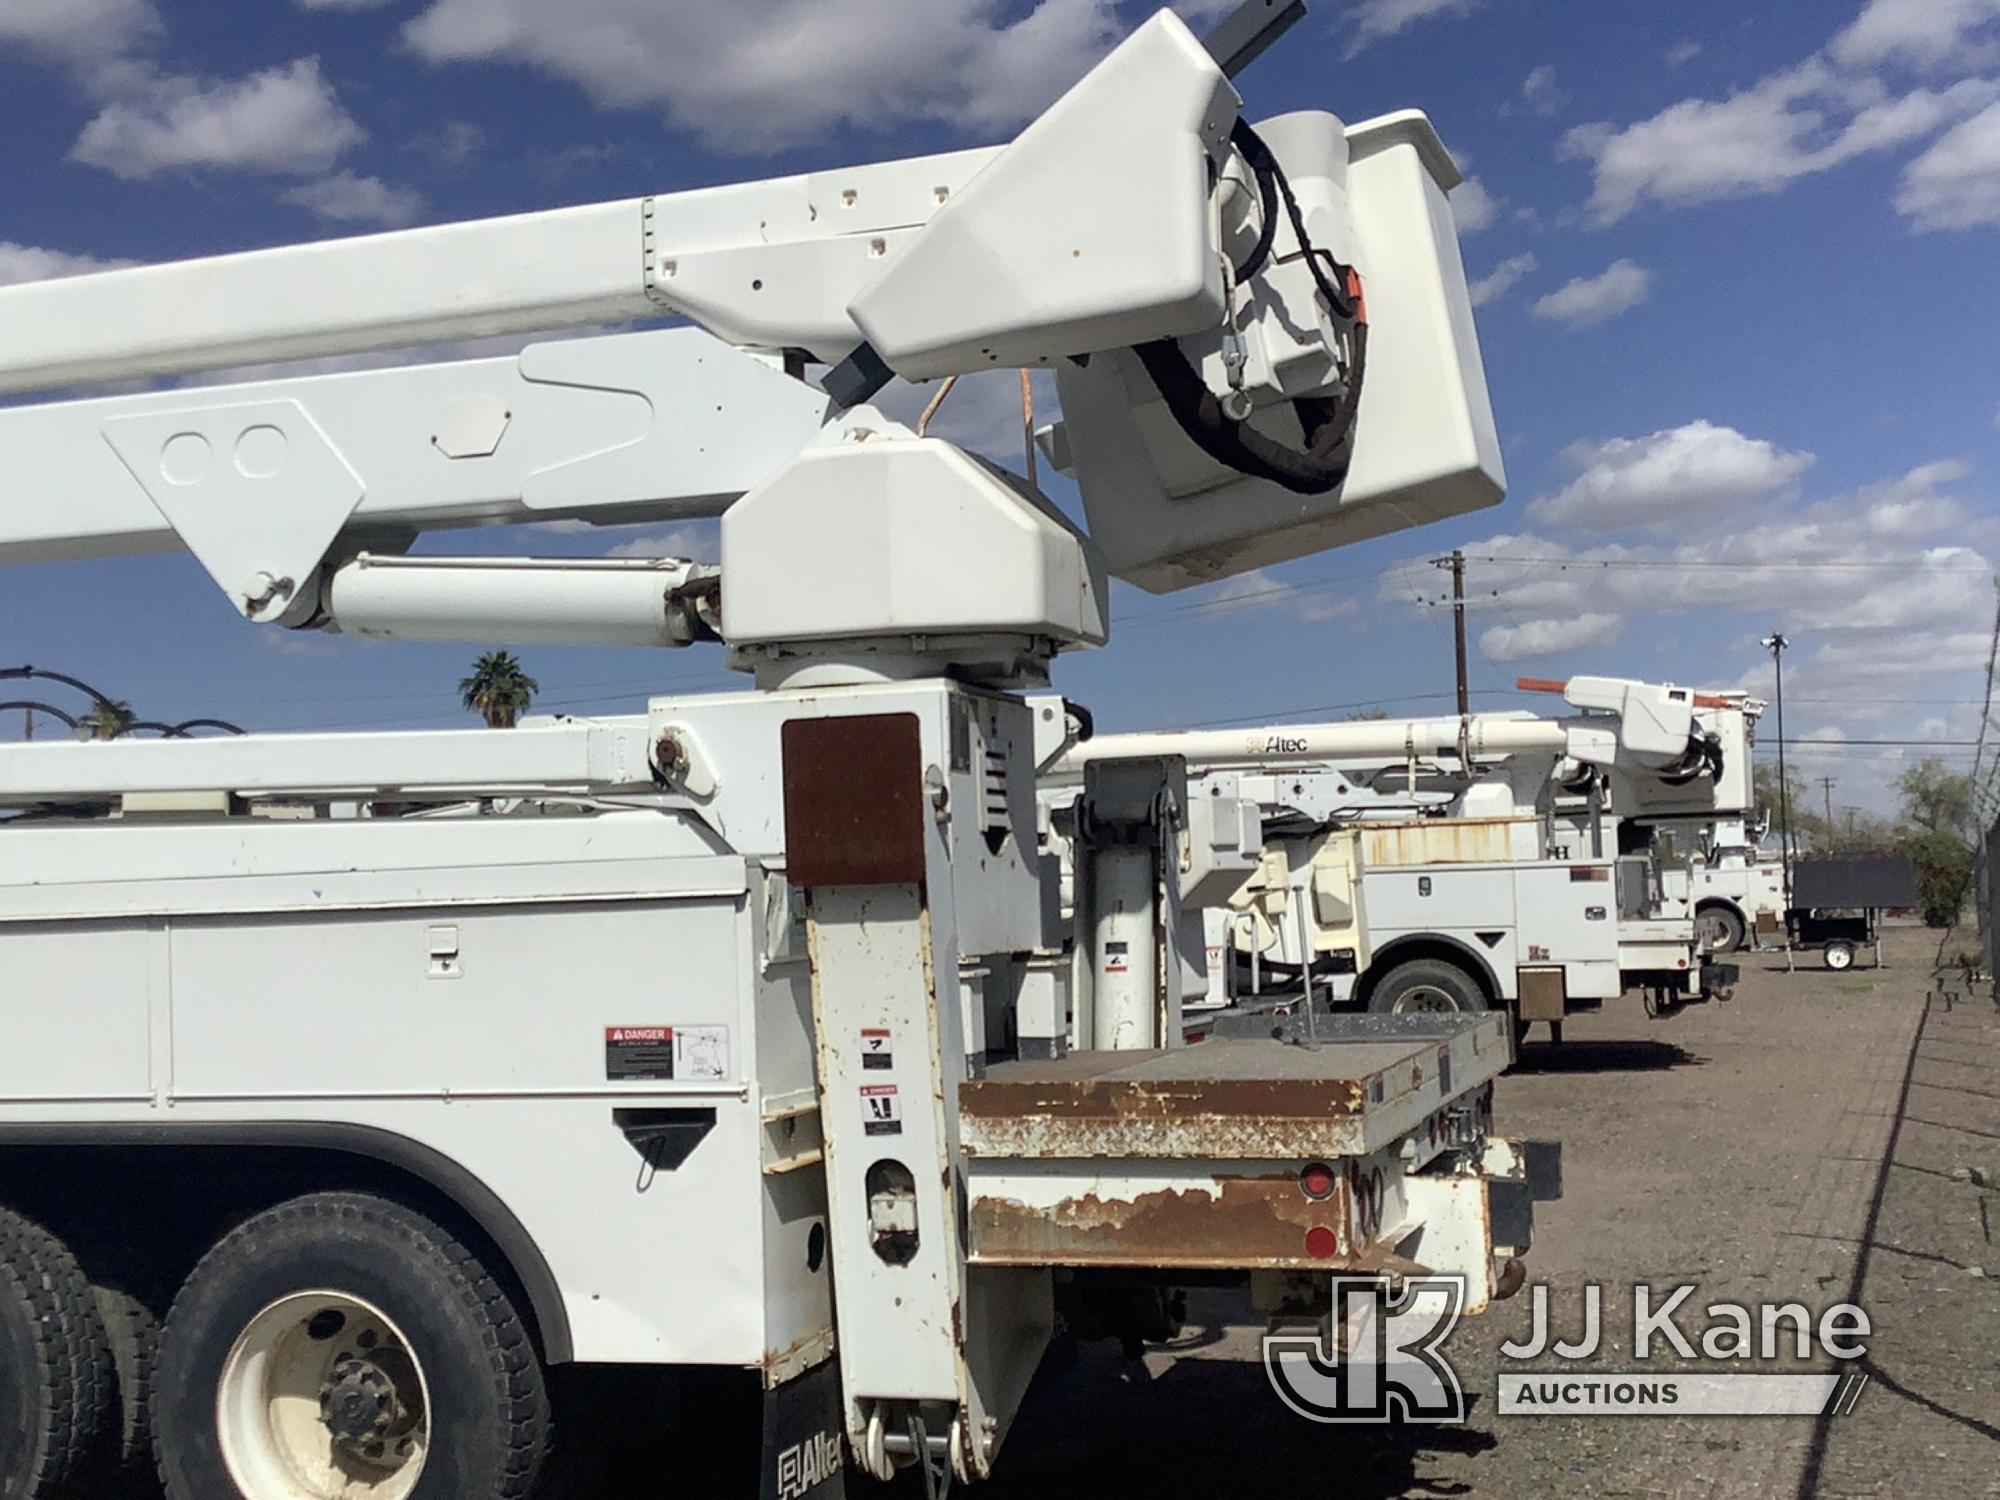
(804,1466)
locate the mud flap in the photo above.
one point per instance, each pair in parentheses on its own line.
(802,1455)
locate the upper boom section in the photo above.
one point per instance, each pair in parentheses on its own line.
(1090,231)
(1263,339)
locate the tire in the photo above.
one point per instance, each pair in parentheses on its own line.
(132,1334)
(1721,926)
(55,1368)
(1426,986)
(428,1385)
(1838,955)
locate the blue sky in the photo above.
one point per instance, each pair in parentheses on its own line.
(1739,269)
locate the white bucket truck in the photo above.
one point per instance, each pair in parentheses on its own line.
(668,1042)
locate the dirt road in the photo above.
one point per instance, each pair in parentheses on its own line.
(1821,1138)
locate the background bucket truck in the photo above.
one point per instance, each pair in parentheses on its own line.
(1449,865)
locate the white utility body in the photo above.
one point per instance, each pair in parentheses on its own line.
(1395,850)
(392,1069)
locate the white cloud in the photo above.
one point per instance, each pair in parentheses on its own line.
(1550,636)
(1924,32)
(452,144)
(1590,300)
(283,119)
(20,263)
(341,4)
(1472,207)
(1893,601)
(1541,93)
(794,69)
(347,198)
(1682,53)
(1666,476)
(1800,121)
(1911,507)
(1501,280)
(77,29)
(699,540)
(1374,20)
(1956,183)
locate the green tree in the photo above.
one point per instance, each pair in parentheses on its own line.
(498,690)
(106,721)
(1809,829)
(1940,837)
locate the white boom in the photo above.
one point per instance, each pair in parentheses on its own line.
(1626,723)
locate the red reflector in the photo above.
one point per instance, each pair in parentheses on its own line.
(1317,1180)
(1322,1243)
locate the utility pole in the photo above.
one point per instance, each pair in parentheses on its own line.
(1775,643)
(1456,562)
(1826,785)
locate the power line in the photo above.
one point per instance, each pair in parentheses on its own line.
(1705,564)
(1278,715)
(1813,744)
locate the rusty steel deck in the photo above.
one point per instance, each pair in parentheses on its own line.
(1354,1092)
(1197,1156)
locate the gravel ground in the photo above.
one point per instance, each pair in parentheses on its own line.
(1821,1138)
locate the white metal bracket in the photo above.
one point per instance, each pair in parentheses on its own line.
(256,490)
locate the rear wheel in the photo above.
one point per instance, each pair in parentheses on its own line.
(341,1347)
(1426,986)
(1839,954)
(1719,929)
(132,1334)
(55,1368)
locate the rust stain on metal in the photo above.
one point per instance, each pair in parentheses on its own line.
(1452,841)
(1246,1118)
(1163,1099)
(1244,1223)
(854,800)
(777,1359)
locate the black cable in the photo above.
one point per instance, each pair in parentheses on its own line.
(1264,167)
(1326,423)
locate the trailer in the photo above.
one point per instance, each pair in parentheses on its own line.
(1840,901)
(358,1081)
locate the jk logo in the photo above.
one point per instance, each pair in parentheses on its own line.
(1385,1362)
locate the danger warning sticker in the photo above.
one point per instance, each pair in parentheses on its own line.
(635,1053)
(881,1109)
(878,1051)
(647,1054)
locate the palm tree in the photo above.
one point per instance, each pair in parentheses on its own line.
(109,719)
(498,690)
